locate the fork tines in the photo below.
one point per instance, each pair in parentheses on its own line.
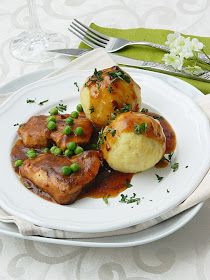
(88,35)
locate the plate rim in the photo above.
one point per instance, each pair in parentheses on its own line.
(94,228)
(73,242)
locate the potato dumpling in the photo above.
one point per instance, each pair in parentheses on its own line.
(108,91)
(133,142)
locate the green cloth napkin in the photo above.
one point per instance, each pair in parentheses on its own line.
(147,53)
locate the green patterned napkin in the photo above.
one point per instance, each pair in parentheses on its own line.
(147,53)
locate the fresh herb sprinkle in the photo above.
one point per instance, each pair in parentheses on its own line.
(144,110)
(159,178)
(139,129)
(125,108)
(128,185)
(61,107)
(110,89)
(112,131)
(175,166)
(119,74)
(100,138)
(91,109)
(106,199)
(76,85)
(43,102)
(30,100)
(131,199)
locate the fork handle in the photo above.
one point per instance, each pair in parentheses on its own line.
(150,44)
(201,57)
(159,67)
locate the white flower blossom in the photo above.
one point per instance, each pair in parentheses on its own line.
(173,60)
(196,45)
(171,38)
(181,48)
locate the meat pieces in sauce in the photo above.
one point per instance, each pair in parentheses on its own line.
(62,140)
(35,134)
(45,172)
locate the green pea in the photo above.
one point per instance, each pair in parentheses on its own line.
(74,167)
(51,125)
(57,151)
(68,153)
(93,146)
(78,150)
(71,146)
(53,111)
(69,120)
(18,162)
(31,153)
(67,130)
(79,108)
(45,150)
(79,131)
(52,149)
(66,170)
(51,119)
(74,114)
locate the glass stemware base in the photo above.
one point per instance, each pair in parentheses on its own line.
(32,46)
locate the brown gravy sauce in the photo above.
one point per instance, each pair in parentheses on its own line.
(108,182)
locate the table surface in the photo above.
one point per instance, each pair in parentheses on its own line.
(185,253)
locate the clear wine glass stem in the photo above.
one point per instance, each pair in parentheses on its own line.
(33,45)
(34,20)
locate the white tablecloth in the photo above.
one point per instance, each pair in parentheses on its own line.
(185,254)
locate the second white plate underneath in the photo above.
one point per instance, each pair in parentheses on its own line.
(89,215)
(156,232)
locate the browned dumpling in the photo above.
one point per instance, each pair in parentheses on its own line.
(108,91)
(133,142)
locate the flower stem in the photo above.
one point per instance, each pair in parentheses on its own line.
(206,54)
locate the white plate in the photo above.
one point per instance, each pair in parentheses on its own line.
(156,232)
(90,215)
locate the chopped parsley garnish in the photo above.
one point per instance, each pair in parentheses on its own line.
(131,199)
(76,84)
(91,109)
(125,108)
(159,178)
(16,124)
(61,107)
(186,166)
(30,100)
(97,76)
(169,157)
(158,118)
(175,166)
(113,116)
(168,191)
(100,138)
(139,129)
(110,89)
(42,102)
(128,185)
(119,74)
(144,110)
(105,199)
(112,131)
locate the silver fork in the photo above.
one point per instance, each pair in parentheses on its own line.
(95,39)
